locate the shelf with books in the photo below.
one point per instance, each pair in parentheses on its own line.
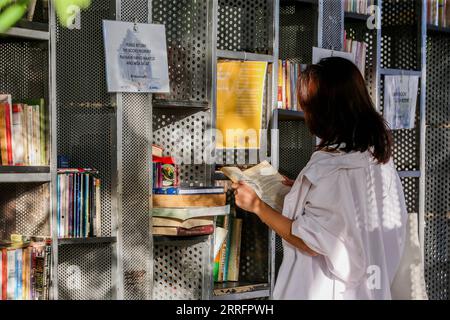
(240,290)
(88,240)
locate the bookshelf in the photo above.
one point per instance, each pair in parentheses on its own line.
(26,191)
(437,118)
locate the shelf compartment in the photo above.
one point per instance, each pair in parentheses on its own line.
(29,30)
(240,290)
(244,56)
(91,240)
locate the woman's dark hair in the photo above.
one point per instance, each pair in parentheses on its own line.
(339,110)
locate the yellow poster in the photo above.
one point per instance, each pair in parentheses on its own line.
(240,94)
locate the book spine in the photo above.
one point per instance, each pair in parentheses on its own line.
(98,218)
(18,278)
(280,85)
(228,247)
(86,205)
(3,139)
(11,270)
(24,274)
(58,203)
(91,206)
(47,269)
(4,274)
(8,122)
(43,133)
(24,115)
(196,231)
(235,251)
(18,151)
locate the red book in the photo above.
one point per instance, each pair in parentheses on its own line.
(4,274)
(8,115)
(178,231)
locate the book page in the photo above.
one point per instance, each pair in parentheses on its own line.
(270,183)
(236,175)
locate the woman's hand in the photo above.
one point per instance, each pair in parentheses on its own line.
(246,198)
(288,182)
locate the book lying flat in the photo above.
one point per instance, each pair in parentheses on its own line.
(193,212)
(265,180)
(191,200)
(187,224)
(177,231)
(195,190)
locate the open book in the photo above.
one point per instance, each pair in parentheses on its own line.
(265,180)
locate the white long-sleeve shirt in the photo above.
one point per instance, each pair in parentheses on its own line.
(351,211)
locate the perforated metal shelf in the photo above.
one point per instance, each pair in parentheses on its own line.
(78,241)
(24,177)
(28,30)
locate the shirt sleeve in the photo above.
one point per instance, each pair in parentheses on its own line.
(324,226)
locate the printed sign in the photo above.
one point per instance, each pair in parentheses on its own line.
(136,57)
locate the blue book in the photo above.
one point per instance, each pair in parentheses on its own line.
(18,295)
(86,205)
(165,190)
(79,207)
(58,207)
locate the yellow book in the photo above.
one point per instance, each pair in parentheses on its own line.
(188,200)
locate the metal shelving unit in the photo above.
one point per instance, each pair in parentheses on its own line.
(25,202)
(437,165)
(112,133)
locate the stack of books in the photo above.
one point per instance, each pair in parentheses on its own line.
(165,170)
(358,6)
(188,214)
(25,269)
(438,13)
(79,207)
(288,73)
(228,241)
(358,49)
(23,132)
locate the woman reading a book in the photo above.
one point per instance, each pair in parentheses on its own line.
(343,222)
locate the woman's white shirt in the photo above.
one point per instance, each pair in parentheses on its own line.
(351,210)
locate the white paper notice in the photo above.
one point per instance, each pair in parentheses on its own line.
(319,54)
(400,99)
(136,57)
